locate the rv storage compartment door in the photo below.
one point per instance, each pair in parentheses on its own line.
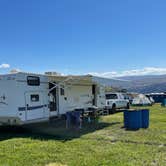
(35,106)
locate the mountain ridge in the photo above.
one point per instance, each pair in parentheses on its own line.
(139,84)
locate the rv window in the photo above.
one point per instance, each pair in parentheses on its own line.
(33,81)
(34,98)
(62,92)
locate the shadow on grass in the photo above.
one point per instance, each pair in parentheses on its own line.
(51,131)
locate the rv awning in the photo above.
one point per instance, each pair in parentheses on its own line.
(74,80)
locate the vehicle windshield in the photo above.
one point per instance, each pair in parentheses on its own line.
(111,96)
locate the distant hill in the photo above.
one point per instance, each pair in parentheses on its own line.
(140,84)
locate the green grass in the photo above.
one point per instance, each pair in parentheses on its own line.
(101,143)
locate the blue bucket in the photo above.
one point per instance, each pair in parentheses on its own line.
(145,118)
(126,119)
(164,102)
(134,120)
(73,118)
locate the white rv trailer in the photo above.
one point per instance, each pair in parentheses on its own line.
(29,98)
(23,98)
(69,93)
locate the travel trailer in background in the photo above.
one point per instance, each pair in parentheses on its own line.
(29,98)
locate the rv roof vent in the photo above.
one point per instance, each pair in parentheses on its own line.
(53,73)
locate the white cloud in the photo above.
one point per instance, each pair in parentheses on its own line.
(136,72)
(4,66)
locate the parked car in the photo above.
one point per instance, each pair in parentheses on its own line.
(116,101)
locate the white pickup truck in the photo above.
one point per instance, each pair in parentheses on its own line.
(116,101)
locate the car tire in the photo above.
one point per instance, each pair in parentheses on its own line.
(113,110)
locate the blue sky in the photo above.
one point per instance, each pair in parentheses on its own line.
(83,36)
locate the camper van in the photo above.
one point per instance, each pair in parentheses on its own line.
(30,98)
(23,98)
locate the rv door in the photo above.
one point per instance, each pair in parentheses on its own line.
(35,106)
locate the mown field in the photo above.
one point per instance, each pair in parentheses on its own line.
(105,142)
